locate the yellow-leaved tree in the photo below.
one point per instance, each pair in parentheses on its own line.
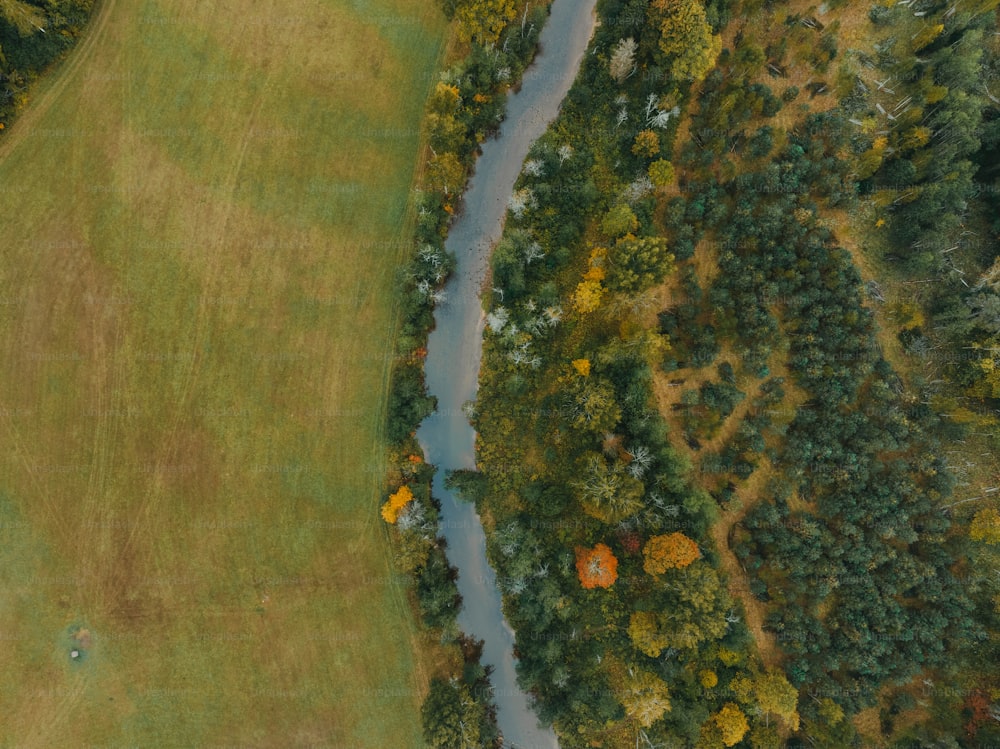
(645,698)
(776,695)
(483,20)
(732,724)
(686,40)
(644,631)
(986,526)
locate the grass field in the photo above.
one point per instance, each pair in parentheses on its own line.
(202,213)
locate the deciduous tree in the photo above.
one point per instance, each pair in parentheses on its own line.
(483,20)
(661,173)
(446,173)
(27,19)
(775,695)
(597,567)
(638,264)
(647,143)
(670,551)
(732,723)
(396,502)
(986,526)
(619,221)
(686,41)
(644,631)
(646,698)
(623,59)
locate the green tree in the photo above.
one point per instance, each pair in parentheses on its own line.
(637,264)
(608,494)
(661,173)
(446,719)
(698,609)
(619,221)
(592,405)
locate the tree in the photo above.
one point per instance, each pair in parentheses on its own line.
(986,526)
(397,501)
(925,36)
(623,59)
(775,695)
(446,173)
(446,132)
(644,631)
(448,721)
(582,367)
(732,723)
(619,221)
(686,40)
(483,20)
(661,173)
(647,144)
(587,296)
(606,492)
(597,567)
(987,369)
(446,99)
(646,698)
(671,551)
(697,607)
(637,264)
(593,405)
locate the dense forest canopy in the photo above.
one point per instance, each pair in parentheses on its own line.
(661,485)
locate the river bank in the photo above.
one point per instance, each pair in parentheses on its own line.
(454,350)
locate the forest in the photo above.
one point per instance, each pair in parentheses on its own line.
(33,35)
(691,420)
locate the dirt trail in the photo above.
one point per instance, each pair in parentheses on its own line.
(739,581)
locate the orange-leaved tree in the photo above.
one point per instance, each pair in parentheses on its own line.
(597,567)
(397,501)
(667,552)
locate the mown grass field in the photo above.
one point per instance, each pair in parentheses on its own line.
(202,214)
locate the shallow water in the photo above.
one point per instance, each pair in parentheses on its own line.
(455,348)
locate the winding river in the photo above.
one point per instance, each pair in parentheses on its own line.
(455,348)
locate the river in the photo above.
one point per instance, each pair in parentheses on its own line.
(455,348)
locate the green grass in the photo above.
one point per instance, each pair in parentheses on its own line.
(203,210)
